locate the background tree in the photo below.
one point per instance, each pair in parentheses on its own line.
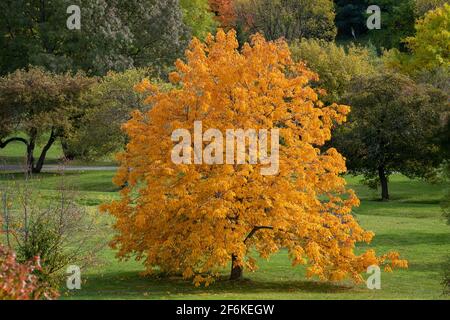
(109,104)
(224,11)
(39,105)
(159,34)
(114,35)
(350,18)
(335,64)
(394,127)
(35,33)
(198,17)
(429,48)
(191,219)
(397,22)
(290,19)
(423,6)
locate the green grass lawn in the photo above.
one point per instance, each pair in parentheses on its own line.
(410,223)
(15,154)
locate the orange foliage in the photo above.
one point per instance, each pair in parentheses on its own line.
(190,219)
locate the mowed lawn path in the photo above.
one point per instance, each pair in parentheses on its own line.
(410,223)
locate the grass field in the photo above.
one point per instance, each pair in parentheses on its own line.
(410,223)
(14,154)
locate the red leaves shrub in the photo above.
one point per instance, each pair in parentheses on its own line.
(17,281)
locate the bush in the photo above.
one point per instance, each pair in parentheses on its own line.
(53,227)
(18,280)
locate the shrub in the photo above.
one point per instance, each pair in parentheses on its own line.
(18,280)
(53,227)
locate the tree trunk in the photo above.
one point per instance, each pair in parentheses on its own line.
(40,163)
(384,184)
(68,154)
(30,151)
(236,271)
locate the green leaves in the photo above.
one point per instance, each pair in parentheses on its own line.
(394,124)
(114,35)
(290,19)
(336,65)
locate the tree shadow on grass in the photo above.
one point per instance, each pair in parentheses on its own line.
(131,284)
(436,200)
(91,181)
(411,238)
(438,267)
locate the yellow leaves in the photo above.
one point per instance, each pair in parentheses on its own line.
(338,275)
(174,77)
(296,254)
(393,261)
(368,236)
(367,259)
(188,273)
(140,221)
(145,86)
(190,219)
(314,270)
(181,66)
(206,280)
(312,249)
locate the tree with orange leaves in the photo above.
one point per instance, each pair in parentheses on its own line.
(192,219)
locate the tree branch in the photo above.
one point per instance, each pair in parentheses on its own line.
(3,144)
(51,140)
(254,231)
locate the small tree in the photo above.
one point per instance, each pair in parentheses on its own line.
(394,127)
(37,103)
(193,219)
